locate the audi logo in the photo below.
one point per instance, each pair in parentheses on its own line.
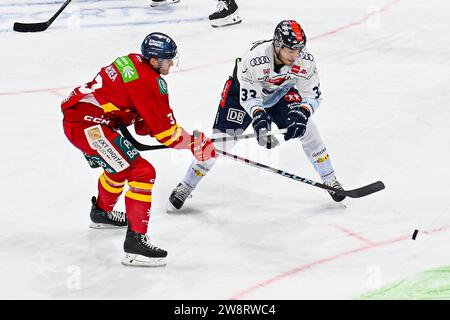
(259,60)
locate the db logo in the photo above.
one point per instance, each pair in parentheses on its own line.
(236,116)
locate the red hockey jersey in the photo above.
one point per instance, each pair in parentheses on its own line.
(129,89)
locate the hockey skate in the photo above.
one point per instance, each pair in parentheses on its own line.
(178,197)
(106,219)
(226,14)
(334,184)
(140,252)
(159,3)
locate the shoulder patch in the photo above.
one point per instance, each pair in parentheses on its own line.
(306,56)
(127,69)
(162,86)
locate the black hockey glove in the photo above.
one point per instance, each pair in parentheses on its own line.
(262,122)
(296,122)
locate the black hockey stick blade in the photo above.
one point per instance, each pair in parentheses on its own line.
(30,27)
(363,191)
(39,26)
(356,193)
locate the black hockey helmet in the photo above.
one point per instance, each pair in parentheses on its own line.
(159,46)
(289,33)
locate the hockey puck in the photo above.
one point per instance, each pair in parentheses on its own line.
(415,234)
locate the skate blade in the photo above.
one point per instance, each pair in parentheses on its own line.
(170,208)
(137,260)
(165,3)
(227,21)
(94,225)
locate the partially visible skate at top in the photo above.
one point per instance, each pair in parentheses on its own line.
(226,14)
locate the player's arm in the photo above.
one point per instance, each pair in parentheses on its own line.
(299,113)
(309,89)
(250,94)
(152,104)
(250,97)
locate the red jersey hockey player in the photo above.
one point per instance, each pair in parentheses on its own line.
(129,91)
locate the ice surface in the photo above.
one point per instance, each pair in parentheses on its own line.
(245,234)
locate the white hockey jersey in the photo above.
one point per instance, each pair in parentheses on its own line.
(262,87)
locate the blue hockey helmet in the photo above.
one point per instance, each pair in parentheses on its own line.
(159,46)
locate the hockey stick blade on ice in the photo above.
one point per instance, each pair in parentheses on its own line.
(144,147)
(355,193)
(39,26)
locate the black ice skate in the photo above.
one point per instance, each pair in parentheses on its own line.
(158,3)
(140,252)
(334,184)
(178,197)
(226,15)
(106,219)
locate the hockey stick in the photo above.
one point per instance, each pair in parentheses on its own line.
(144,147)
(355,193)
(39,26)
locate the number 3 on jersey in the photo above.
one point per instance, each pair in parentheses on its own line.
(245,93)
(96,84)
(170,116)
(317,91)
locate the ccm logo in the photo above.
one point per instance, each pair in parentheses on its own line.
(96,120)
(236,116)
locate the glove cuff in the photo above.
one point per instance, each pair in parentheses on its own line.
(306,109)
(256,110)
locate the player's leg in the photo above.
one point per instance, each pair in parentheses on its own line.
(116,156)
(125,164)
(109,189)
(102,213)
(317,153)
(138,201)
(312,142)
(231,119)
(121,162)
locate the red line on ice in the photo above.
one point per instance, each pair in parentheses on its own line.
(353,234)
(362,20)
(323,35)
(317,262)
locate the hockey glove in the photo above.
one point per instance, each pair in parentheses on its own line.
(262,123)
(202,147)
(296,122)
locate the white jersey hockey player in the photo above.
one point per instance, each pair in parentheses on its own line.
(275,82)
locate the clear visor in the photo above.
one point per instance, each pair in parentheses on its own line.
(298,47)
(169,62)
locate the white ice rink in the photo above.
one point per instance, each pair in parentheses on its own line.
(245,234)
